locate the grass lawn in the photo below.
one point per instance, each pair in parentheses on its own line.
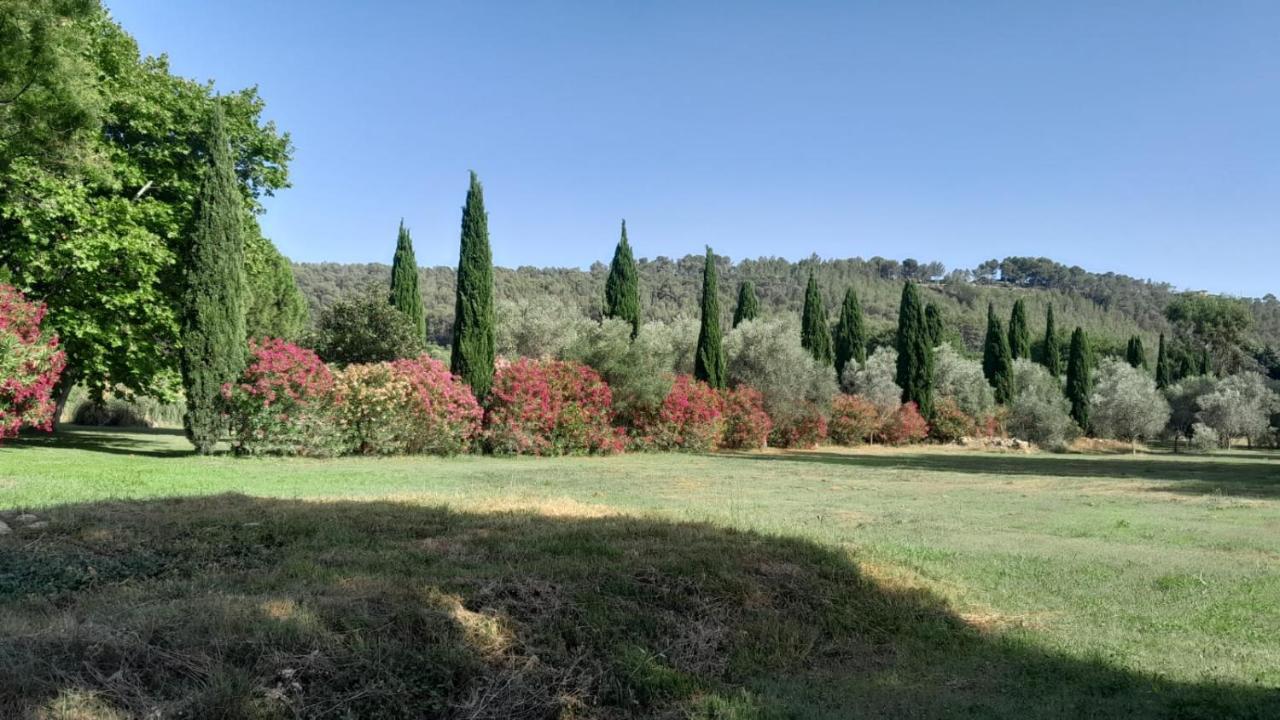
(824,584)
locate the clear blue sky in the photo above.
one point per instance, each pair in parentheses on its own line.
(1139,137)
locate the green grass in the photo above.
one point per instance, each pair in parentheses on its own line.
(823,584)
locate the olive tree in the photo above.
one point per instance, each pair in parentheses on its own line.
(1125,403)
(1038,411)
(961,379)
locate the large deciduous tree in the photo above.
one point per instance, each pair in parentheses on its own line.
(997,361)
(473,319)
(1078,383)
(213,301)
(815,335)
(708,363)
(851,333)
(748,307)
(622,287)
(915,352)
(405,294)
(1019,332)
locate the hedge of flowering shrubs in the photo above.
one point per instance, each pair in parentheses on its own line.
(289,402)
(30,365)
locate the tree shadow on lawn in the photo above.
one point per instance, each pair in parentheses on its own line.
(116,441)
(234,607)
(1255,477)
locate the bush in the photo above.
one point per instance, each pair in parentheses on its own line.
(283,403)
(30,365)
(950,422)
(906,425)
(961,380)
(365,328)
(110,412)
(691,418)
(803,427)
(854,420)
(638,372)
(746,424)
(1039,412)
(767,355)
(444,417)
(549,408)
(1204,438)
(1125,404)
(372,408)
(874,380)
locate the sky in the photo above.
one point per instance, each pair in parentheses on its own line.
(1136,137)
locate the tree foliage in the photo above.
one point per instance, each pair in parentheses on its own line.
(851,334)
(1078,378)
(915,352)
(1125,403)
(748,307)
(364,328)
(622,287)
(473,326)
(1019,332)
(815,334)
(1051,352)
(405,295)
(997,359)
(1164,373)
(709,366)
(1135,354)
(934,324)
(213,306)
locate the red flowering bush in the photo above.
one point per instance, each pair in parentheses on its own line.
(854,420)
(691,418)
(950,423)
(803,429)
(746,424)
(906,425)
(30,365)
(444,417)
(549,407)
(282,404)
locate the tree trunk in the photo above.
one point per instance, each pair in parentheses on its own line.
(62,392)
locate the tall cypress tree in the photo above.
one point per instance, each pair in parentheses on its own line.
(405,295)
(1206,361)
(851,333)
(1019,333)
(815,334)
(1052,353)
(933,323)
(1164,374)
(915,352)
(1135,354)
(748,306)
(1078,383)
(214,292)
(622,288)
(708,363)
(997,360)
(473,321)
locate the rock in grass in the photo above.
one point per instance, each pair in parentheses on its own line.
(40,525)
(26,518)
(4,528)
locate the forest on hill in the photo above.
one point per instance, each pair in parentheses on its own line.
(1110,306)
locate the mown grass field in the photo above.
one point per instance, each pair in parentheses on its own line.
(824,584)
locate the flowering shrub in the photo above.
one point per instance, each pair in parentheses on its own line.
(691,418)
(549,407)
(444,417)
(282,403)
(854,420)
(373,408)
(906,426)
(746,424)
(950,423)
(30,364)
(803,429)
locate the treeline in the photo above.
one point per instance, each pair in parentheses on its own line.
(1111,308)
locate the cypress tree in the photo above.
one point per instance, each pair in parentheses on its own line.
(473,321)
(915,352)
(214,292)
(1078,384)
(748,306)
(1164,377)
(1052,353)
(1206,363)
(815,334)
(851,334)
(997,360)
(1019,333)
(708,363)
(1135,354)
(405,296)
(622,288)
(933,322)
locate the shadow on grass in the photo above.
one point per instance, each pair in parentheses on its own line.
(1256,476)
(143,442)
(238,607)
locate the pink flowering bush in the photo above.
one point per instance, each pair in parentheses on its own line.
(443,415)
(691,418)
(906,425)
(283,403)
(549,407)
(30,365)
(746,424)
(805,428)
(950,423)
(854,420)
